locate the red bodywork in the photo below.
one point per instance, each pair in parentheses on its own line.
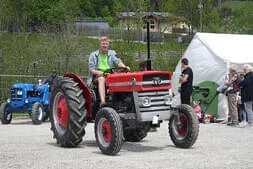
(86,92)
(124,82)
(120,82)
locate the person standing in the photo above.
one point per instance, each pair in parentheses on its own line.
(233,85)
(185,80)
(243,114)
(247,86)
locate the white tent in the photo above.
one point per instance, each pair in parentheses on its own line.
(210,55)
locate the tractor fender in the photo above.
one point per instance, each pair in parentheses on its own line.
(86,92)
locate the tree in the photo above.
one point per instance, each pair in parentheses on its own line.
(87,8)
(237,17)
(243,17)
(194,12)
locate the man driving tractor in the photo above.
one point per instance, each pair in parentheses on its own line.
(100,61)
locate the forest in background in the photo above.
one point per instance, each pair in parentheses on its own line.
(226,16)
(35,53)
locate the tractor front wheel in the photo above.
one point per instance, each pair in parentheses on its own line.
(184,127)
(67,112)
(5,115)
(37,113)
(108,131)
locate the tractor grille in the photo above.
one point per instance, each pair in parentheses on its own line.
(155,80)
(14,94)
(157,101)
(154,103)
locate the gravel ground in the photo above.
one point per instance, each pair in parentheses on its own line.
(24,145)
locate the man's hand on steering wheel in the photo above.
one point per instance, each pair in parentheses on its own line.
(127,68)
(117,69)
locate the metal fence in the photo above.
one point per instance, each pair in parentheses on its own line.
(17,24)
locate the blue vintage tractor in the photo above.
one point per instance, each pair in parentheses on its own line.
(31,98)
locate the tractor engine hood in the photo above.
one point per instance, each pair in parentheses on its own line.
(139,81)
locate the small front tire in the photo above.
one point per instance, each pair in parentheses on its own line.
(37,113)
(108,131)
(184,127)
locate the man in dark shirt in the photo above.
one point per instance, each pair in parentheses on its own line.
(50,79)
(247,98)
(185,80)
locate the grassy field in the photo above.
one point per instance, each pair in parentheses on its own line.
(25,53)
(36,55)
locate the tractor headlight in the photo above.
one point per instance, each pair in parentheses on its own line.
(26,101)
(8,100)
(168,98)
(146,102)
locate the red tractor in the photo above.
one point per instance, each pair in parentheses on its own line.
(135,103)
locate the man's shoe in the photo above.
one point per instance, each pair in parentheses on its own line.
(233,124)
(223,122)
(229,122)
(243,124)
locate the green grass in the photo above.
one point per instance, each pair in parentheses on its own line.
(37,54)
(234,4)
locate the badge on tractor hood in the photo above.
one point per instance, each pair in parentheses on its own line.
(157,81)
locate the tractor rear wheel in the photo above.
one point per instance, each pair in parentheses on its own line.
(184,127)
(108,131)
(67,112)
(45,117)
(37,113)
(5,115)
(136,135)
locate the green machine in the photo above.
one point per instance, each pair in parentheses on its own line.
(205,93)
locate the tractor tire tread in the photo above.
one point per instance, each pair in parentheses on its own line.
(2,118)
(192,135)
(35,107)
(117,131)
(76,113)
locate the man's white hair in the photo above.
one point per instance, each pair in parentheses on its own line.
(248,66)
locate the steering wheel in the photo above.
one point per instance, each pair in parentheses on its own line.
(113,70)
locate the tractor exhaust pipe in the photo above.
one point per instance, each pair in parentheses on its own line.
(148,46)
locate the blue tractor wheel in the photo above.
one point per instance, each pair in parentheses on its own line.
(37,113)
(5,115)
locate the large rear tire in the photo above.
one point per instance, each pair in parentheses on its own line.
(37,113)
(67,112)
(108,131)
(136,135)
(184,127)
(5,115)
